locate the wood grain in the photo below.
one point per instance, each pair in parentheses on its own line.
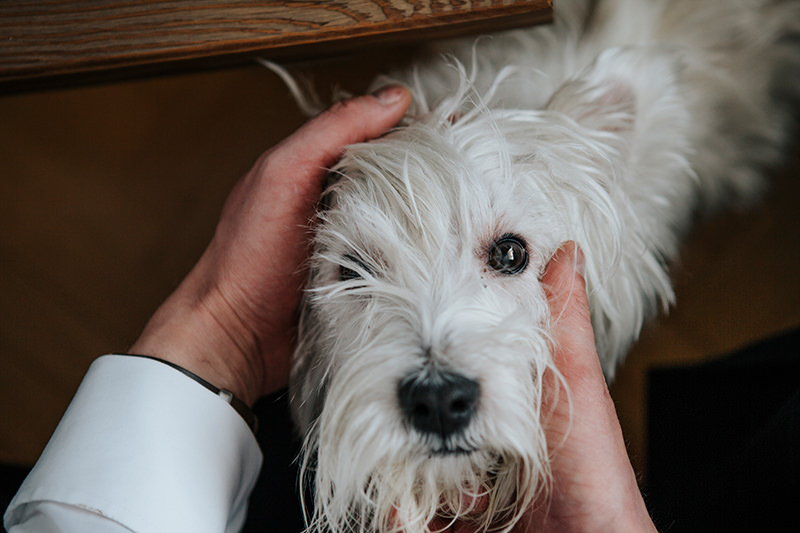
(47,39)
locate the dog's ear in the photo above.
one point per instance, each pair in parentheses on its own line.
(626,89)
(607,105)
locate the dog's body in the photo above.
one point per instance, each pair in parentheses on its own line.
(424,336)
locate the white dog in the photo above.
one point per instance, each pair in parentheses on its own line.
(424,335)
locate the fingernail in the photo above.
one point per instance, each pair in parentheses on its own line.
(390,94)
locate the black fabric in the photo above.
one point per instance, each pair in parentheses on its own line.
(275,502)
(724,442)
(11,477)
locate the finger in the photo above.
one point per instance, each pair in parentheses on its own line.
(574,352)
(565,287)
(586,413)
(592,475)
(353,121)
(296,168)
(563,272)
(318,144)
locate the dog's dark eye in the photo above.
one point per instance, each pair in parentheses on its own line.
(508,255)
(346,273)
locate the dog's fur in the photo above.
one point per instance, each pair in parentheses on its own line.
(611,128)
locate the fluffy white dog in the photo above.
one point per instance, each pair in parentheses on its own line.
(424,335)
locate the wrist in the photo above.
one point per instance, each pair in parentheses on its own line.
(187,334)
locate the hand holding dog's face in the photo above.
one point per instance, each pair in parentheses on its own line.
(232,320)
(593,483)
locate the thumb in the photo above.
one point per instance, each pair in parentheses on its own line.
(565,286)
(574,351)
(297,166)
(593,483)
(346,122)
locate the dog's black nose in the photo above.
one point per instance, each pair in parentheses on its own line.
(442,403)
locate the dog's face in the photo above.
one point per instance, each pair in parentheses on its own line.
(424,338)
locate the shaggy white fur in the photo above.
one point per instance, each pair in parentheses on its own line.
(610,128)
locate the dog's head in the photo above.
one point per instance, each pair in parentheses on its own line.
(424,339)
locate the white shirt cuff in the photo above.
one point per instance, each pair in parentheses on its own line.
(147,448)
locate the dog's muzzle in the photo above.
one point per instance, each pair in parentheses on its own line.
(438,403)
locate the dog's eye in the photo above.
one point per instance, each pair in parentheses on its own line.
(346,273)
(508,255)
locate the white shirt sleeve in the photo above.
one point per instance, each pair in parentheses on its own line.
(141,448)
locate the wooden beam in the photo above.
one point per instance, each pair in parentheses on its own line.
(44,41)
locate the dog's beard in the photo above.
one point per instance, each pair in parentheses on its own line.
(406,492)
(373,472)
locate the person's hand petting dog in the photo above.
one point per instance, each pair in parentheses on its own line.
(232,320)
(593,484)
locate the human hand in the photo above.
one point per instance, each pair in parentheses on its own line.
(593,484)
(232,320)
